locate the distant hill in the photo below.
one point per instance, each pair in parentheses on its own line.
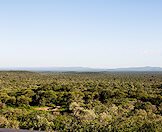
(54,69)
(147,68)
(81,69)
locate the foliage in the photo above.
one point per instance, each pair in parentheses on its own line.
(107,101)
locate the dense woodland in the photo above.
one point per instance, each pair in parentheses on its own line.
(112,101)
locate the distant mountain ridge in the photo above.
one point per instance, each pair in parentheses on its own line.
(147,68)
(81,69)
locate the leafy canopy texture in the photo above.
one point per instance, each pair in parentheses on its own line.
(110,101)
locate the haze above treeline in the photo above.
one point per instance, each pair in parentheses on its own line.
(79,69)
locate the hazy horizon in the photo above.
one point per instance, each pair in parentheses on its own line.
(95,34)
(78,68)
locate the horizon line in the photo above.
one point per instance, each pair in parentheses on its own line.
(8,67)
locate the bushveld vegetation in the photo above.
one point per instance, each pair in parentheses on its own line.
(112,101)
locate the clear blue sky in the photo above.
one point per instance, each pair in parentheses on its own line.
(89,33)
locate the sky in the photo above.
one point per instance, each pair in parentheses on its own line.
(84,33)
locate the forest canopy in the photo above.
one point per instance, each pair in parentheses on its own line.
(101,101)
